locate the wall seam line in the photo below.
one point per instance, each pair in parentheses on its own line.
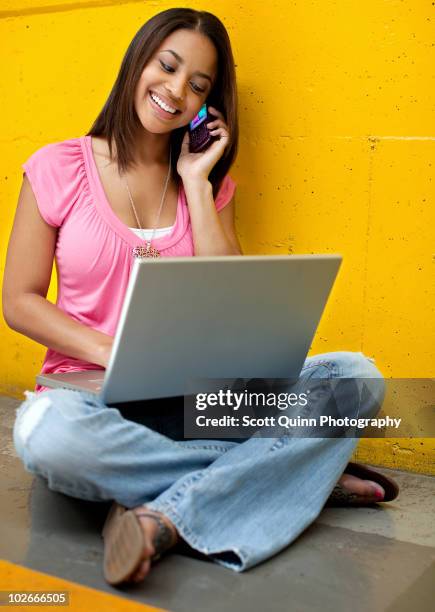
(70,6)
(372,141)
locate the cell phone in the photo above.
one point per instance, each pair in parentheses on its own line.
(200,137)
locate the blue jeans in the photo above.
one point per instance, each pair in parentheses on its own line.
(238,502)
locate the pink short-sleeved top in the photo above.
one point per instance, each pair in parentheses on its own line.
(93,249)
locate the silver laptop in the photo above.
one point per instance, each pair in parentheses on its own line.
(190,318)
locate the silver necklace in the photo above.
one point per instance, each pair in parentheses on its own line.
(148,250)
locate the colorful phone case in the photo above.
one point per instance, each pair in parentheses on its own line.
(200,138)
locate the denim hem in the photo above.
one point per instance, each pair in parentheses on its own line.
(167,507)
(193,540)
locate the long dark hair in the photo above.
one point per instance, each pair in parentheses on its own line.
(118,119)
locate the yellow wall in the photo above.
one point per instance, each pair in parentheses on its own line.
(336,156)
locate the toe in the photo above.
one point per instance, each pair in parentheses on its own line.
(364,488)
(375,490)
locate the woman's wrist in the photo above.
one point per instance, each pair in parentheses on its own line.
(197,187)
(103,350)
(195,180)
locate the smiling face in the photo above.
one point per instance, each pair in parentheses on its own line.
(176,81)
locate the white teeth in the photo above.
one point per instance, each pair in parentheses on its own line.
(165,107)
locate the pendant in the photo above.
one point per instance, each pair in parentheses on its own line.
(145,252)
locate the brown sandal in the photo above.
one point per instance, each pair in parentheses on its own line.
(342,497)
(124,542)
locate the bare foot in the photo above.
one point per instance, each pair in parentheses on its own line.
(150,528)
(367,489)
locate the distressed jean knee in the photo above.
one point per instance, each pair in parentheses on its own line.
(29,415)
(357,388)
